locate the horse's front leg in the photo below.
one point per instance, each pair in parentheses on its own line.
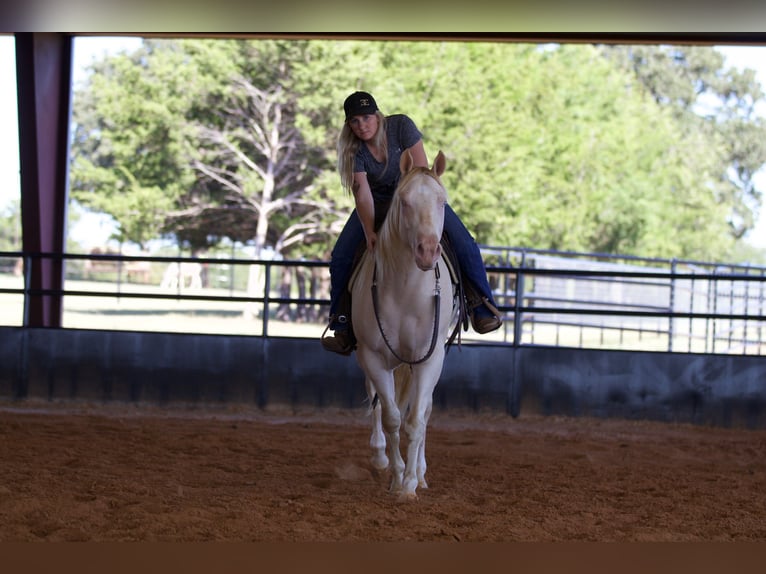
(415,426)
(377,437)
(414,470)
(382,382)
(392,421)
(421,468)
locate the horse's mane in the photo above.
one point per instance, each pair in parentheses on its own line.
(389,246)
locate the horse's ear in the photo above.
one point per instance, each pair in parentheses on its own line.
(440,164)
(406,162)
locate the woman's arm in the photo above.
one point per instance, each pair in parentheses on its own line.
(365,208)
(418,153)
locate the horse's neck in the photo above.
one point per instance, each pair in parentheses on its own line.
(393,259)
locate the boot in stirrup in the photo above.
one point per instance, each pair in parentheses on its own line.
(485,317)
(343,341)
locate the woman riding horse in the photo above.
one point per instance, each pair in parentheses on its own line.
(369,150)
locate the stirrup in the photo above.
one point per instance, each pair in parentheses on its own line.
(486,302)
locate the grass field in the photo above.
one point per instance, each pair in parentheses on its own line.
(146,314)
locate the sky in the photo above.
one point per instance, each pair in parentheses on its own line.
(93,230)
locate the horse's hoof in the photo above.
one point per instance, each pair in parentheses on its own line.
(379,463)
(408,496)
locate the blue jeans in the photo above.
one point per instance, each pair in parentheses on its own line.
(352,236)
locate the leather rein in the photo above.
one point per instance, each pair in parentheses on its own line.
(437,306)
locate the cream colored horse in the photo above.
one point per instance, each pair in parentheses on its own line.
(402,307)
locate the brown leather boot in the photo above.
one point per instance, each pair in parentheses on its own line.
(341,343)
(485,317)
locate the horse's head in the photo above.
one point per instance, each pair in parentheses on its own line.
(418,209)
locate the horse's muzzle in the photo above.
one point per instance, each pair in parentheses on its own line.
(427,253)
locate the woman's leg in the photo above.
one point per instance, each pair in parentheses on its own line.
(341,262)
(472,265)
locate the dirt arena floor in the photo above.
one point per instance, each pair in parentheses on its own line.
(83,472)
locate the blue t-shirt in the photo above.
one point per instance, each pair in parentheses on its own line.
(383,177)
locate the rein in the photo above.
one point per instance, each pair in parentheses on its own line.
(437,305)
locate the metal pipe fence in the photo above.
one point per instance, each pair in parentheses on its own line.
(547,298)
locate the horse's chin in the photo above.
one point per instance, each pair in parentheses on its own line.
(425,266)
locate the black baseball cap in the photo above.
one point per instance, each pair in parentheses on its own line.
(359,103)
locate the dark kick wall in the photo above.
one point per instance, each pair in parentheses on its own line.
(722,390)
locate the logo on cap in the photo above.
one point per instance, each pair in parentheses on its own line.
(359,103)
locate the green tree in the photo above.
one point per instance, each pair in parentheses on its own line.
(208,139)
(714,106)
(128,139)
(10,226)
(256,168)
(548,146)
(552,147)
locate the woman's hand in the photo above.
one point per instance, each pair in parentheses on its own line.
(372,240)
(365,208)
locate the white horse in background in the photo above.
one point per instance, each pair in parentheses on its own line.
(402,308)
(177,275)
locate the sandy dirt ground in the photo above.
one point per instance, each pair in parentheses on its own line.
(83,472)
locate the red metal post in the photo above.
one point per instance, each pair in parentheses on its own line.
(43,71)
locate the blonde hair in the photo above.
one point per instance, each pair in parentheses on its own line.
(349,144)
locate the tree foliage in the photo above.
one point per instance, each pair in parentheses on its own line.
(10,226)
(571,147)
(713,106)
